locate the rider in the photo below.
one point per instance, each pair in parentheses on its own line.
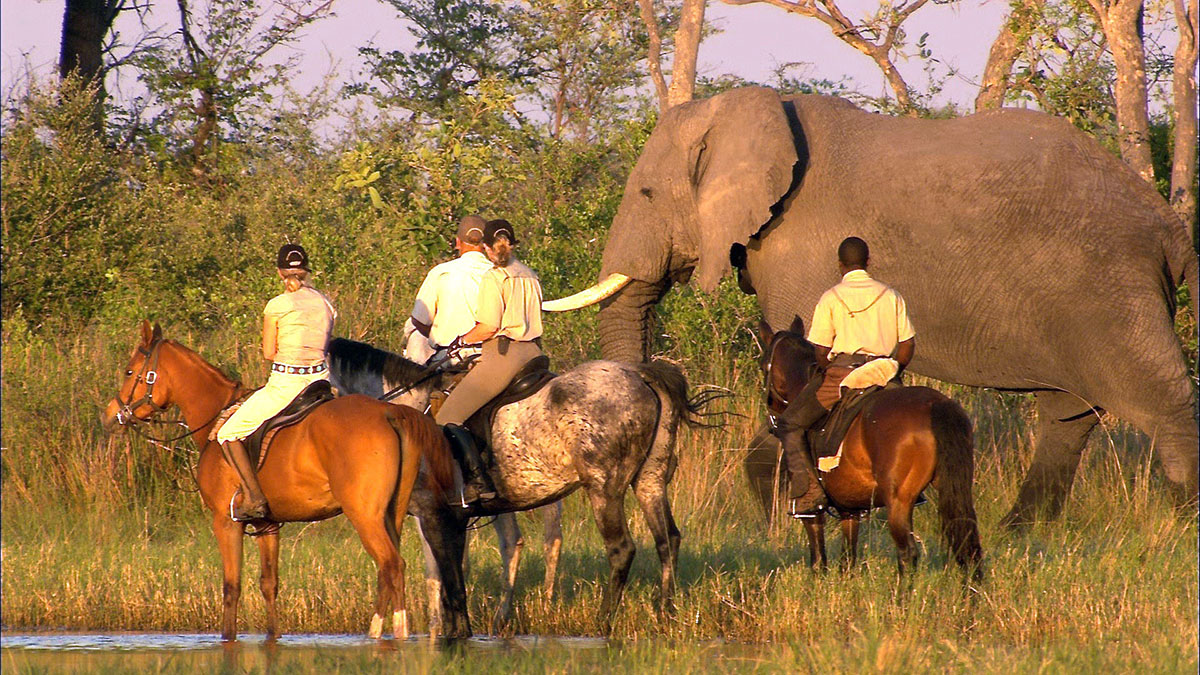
(856,321)
(509,325)
(296,328)
(445,307)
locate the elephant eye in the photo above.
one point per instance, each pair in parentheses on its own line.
(648,192)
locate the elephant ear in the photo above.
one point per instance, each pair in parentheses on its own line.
(744,166)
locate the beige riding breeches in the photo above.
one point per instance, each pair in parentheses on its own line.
(487,379)
(281,389)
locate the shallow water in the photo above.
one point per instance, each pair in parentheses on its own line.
(205,652)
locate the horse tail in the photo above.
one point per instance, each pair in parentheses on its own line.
(955,474)
(668,379)
(419,434)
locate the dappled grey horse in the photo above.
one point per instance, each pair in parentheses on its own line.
(603,426)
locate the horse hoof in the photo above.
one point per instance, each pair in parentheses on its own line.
(376,631)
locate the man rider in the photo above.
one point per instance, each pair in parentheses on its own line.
(446,303)
(856,321)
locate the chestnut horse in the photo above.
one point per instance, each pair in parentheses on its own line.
(352,455)
(906,439)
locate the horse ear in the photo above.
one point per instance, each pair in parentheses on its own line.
(157,333)
(797,325)
(147,332)
(764,332)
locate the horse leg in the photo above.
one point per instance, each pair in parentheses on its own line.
(651,492)
(814,526)
(229,542)
(900,527)
(850,542)
(609,511)
(268,579)
(446,534)
(433,584)
(508,532)
(552,547)
(376,534)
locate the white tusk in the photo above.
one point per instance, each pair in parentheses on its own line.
(588,296)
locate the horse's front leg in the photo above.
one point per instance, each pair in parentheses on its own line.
(850,528)
(229,543)
(508,532)
(268,579)
(446,535)
(552,538)
(433,584)
(814,526)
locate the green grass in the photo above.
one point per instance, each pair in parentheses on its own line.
(103,534)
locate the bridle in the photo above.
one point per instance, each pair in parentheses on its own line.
(435,369)
(149,375)
(771,392)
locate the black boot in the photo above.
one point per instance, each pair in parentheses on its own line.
(807,497)
(254,504)
(477,484)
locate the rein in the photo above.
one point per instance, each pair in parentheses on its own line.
(433,371)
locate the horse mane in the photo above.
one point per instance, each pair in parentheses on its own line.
(357,367)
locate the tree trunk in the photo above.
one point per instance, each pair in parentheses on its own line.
(687,50)
(654,53)
(206,110)
(1183,165)
(1001,57)
(1122,24)
(81,52)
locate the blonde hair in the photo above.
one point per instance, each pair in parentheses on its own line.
(294,279)
(500,252)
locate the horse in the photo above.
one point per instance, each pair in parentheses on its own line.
(353,455)
(602,426)
(906,439)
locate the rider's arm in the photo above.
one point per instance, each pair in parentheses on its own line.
(478,334)
(422,327)
(905,351)
(270,333)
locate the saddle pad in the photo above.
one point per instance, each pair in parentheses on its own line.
(875,373)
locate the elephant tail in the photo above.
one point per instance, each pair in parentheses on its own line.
(955,474)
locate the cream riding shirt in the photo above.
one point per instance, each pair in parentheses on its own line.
(304,320)
(449,296)
(860,315)
(510,298)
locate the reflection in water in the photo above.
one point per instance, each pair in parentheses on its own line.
(159,652)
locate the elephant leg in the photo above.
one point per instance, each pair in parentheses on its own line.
(508,532)
(1064,422)
(764,468)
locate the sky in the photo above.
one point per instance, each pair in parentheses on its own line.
(754,40)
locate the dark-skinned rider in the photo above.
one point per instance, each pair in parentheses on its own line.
(857,321)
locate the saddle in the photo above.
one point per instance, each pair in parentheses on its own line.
(826,436)
(259,441)
(528,381)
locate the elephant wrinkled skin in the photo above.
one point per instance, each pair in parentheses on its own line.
(1030,257)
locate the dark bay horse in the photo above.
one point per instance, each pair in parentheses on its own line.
(602,426)
(353,455)
(908,438)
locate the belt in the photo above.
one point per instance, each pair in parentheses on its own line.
(856,359)
(297,370)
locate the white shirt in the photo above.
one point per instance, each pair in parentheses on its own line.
(860,315)
(449,296)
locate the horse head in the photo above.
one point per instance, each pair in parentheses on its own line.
(143,394)
(788,361)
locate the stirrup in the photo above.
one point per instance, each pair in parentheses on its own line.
(803,515)
(232,514)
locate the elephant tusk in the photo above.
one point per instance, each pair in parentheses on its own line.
(588,296)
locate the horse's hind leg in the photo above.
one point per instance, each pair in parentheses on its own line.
(508,532)
(900,527)
(377,535)
(609,510)
(651,491)
(552,546)
(850,527)
(433,584)
(814,527)
(268,579)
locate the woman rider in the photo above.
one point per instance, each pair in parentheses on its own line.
(509,324)
(296,328)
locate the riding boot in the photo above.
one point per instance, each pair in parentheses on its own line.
(807,497)
(477,484)
(254,503)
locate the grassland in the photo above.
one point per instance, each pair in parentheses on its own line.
(103,534)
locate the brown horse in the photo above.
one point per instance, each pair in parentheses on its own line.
(905,440)
(352,455)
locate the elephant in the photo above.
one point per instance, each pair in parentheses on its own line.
(1031,259)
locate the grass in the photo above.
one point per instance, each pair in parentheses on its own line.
(102,534)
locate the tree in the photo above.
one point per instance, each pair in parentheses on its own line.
(685,41)
(1121,21)
(1014,34)
(86,24)
(1183,166)
(879,37)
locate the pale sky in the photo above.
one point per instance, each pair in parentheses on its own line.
(755,39)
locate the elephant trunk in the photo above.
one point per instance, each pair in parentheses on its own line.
(625,321)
